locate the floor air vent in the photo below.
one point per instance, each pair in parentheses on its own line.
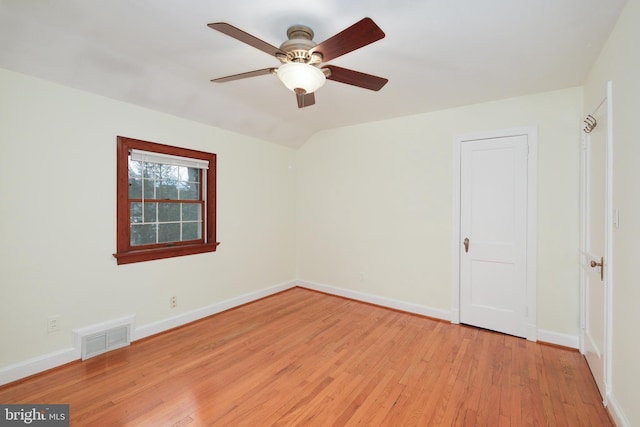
(104,341)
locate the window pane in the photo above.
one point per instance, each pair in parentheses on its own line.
(151,170)
(135,212)
(191,231)
(189,174)
(167,189)
(149,188)
(150,210)
(135,169)
(169,172)
(168,212)
(168,233)
(189,191)
(143,234)
(135,188)
(191,211)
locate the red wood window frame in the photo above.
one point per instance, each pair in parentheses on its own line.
(125,252)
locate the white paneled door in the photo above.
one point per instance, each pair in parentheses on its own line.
(493,233)
(596,262)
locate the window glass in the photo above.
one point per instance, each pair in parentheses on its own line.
(164,182)
(191,212)
(168,233)
(191,230)
(168,212)
(143,234)
(150,212)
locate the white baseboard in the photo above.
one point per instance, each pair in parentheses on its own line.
(378,300)
(38,364)
(565,340)
(532,332)
(191,316)
(52,360)
(619,418)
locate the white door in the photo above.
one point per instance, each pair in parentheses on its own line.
(493,230)
(596,243)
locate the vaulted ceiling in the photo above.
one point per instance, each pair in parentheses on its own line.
(437,54)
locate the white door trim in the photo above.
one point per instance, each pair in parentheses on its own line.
(585,257)
(532,176)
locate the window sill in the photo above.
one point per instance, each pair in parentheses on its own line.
(161,253)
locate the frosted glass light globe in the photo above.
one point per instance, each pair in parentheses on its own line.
(297,75)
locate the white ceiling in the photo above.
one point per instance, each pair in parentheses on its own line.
(437,54)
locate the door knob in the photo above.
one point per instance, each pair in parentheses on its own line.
(466,244)
(600,264)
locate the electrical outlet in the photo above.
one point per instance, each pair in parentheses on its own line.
(53,323)
(174,302)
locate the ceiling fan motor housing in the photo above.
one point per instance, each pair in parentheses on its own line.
(298,45)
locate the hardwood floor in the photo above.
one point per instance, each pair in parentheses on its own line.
(310,359)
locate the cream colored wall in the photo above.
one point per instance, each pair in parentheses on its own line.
(619,62)
(57,227)
(375,203)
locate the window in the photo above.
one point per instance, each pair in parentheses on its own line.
(165,201)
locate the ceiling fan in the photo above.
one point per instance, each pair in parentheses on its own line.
(302,68)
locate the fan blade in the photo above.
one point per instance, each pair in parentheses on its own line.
(244,37)
(305,99)
(358,35)
(245,75)
(355,78)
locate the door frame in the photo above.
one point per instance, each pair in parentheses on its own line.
(531,132)
(585,257)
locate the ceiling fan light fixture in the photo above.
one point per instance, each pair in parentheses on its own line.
(298,76)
